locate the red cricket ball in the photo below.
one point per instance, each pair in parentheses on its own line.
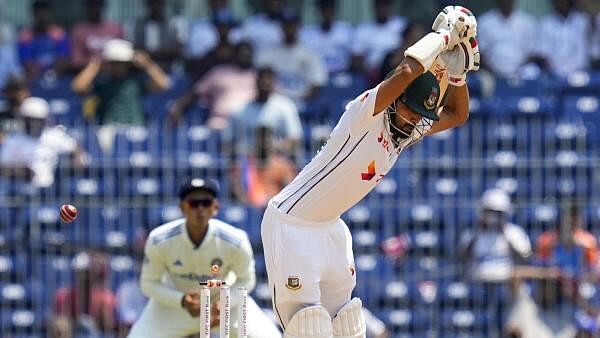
(68,213)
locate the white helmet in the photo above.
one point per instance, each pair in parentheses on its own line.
(496,200)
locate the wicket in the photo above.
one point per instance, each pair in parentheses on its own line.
(225,310)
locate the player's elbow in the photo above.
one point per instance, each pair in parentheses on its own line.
(410,68)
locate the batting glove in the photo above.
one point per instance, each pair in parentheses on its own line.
(455,23)
(460,61)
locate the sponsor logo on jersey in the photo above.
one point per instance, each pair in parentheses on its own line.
(370,172)
(293,283)
(385,143)
(432,99)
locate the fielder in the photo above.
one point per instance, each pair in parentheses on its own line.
(308,247)
(180,254)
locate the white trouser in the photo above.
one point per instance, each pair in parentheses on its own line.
(308,263)
(159,321)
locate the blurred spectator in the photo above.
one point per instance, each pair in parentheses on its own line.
(300,70)
(7,34)
(505,35)
(161,36)
(262,173)
(223,51)
(411,34)
(89,37)
(269,109)
(9,60)
(263,30)
(120,89)
(89,303)
(14,92)
(548,311)
(496,245)
(570,247)
(595,50)
(225,89)
(130,302)
(33,153)
(563,39)
(203,34)
(60,327)
(130,299)
(374,39)
(331,38)
(45,45)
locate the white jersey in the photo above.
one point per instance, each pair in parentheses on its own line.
(173,265)
(358,154)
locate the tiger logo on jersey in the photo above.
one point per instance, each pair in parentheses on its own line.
(293,283)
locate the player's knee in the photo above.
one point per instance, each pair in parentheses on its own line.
(349,321)
(310,322)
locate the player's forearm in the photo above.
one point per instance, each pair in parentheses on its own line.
(162,293)
(455,112)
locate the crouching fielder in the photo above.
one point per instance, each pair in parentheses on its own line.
(308,247)
(180,254)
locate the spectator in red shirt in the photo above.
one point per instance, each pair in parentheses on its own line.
(260,175)
(570,247)
(89,303)
(89,37)
(45,45)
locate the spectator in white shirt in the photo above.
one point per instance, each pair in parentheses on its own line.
(161,36)
(33,153)
(331,38)
(563,39)
(203,34)
(374,39)
(263,29)
(506,36)
(269,109)
(300,70)
(496,245)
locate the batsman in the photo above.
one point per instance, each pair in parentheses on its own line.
(308,247)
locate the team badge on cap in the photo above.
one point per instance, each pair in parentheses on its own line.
(432,99)
(293,283)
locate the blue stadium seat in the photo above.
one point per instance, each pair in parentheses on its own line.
(461,295)
(49,86)
(12,226)
(123,268)
(20,321)
(160,214)
(14,266)
(523,106)
(157,105)
(406,321)
(586,109)
(517,87)
(581,83)
(20,294)
(110,228)
(342,88)
(53,271)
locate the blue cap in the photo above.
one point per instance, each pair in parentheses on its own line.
(198,184)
